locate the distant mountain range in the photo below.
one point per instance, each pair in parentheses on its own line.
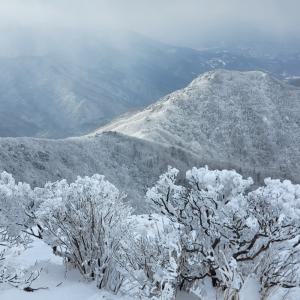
(71,83)
(248,121)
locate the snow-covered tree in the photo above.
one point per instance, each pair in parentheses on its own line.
(226,231)
(150,258)
(84,222)
(278,268)
(10,274)
(277,209)
(17,206)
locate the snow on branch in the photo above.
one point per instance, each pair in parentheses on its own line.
(227,230)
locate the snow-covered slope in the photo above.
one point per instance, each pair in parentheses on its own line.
(56,282)
(246,119)
(227,120)
(131,164)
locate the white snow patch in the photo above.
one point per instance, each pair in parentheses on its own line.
(60,283)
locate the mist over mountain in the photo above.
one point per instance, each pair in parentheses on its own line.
(67,83)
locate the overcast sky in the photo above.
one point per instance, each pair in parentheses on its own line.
(183,22)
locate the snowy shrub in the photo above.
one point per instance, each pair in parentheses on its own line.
(277,207)
(150,258)
(227,231)
(84,223)
(9,274)
(17,206)
(279,267)
(213,229)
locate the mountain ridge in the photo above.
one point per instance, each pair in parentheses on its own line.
(196,126)
(242,112)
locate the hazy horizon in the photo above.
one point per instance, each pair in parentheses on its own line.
(191,23)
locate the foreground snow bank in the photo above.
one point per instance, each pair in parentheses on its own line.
(55,282)
(63,284)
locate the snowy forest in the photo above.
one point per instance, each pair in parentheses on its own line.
(214,233)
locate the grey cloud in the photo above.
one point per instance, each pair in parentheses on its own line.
(175,21)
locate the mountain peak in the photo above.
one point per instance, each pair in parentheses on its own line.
(243,120)
(222,76)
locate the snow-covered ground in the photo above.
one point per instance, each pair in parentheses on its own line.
(58,283)
(55,281)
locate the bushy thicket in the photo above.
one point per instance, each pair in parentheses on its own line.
(84,223)
(17,204)
(150,258)
(228,233)
(213,227)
